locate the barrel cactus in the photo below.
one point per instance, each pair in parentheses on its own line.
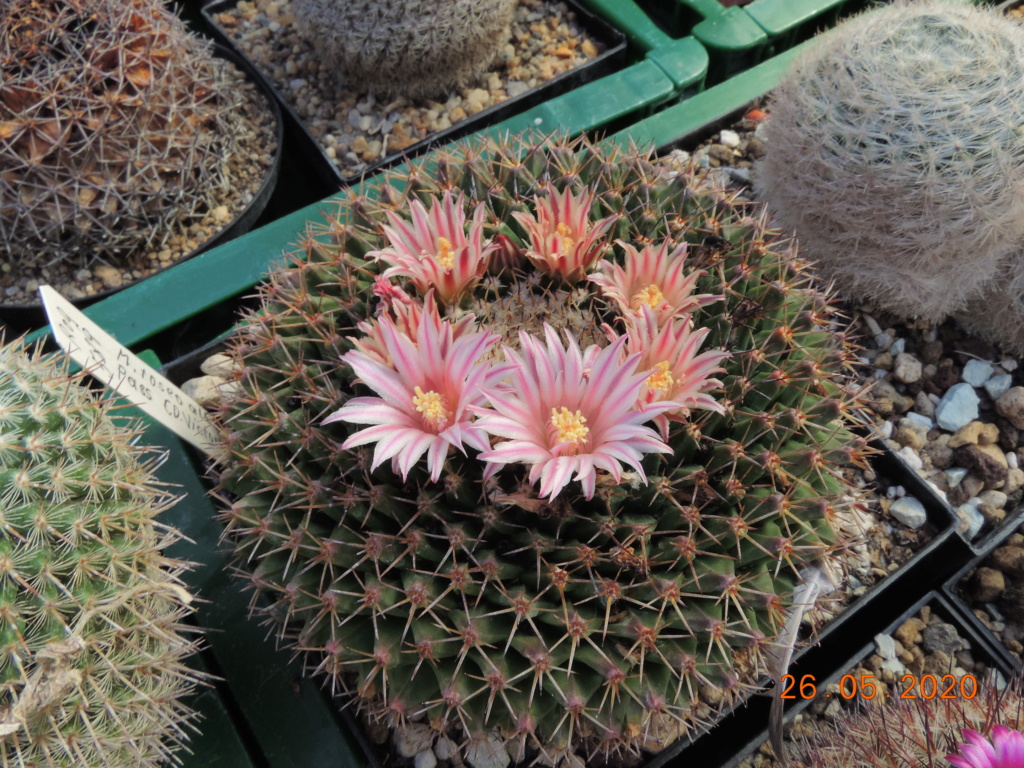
(530,445)
(115,124)
(92,642)
(415,48)
(895,153)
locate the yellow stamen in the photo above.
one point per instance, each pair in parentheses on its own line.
(564,230)
(661,379)
(569,427)
(651,296)
(445,254)
(434,408)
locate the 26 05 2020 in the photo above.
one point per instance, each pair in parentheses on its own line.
(864,687)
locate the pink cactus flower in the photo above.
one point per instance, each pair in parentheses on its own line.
(434,250)
(676,372)
(653,277)
(560,418)
(424,399)
(406,313)
(564,243)
(1005,750)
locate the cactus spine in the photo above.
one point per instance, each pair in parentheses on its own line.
(531,613)
(895,153)
(92,642)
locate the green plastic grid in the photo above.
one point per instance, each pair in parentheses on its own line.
(736,38)
(672,124)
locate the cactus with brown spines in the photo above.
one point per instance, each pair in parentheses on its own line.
(415,48)
(116,124)
(896,157)
(523,611)
(92,636)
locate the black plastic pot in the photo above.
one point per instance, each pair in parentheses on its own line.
(28,316)
(311,150)
(954,593)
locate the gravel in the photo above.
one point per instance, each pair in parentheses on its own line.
(19,283)
(995,593)
(356,130)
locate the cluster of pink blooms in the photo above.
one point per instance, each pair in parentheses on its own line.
(1005,750)
(565,412)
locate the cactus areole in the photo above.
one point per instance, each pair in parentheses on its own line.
(531,452)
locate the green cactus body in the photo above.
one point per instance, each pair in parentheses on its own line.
(91,614)
(415,48)
(578,624)
(896,155)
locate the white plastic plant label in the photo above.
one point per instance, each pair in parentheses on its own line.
(109,361)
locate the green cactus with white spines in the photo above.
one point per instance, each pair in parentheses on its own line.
(573,619)
(92,640)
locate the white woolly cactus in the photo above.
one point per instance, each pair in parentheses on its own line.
(896,153)
(998,313)
(414,48)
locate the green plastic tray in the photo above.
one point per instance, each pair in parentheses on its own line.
(736,38)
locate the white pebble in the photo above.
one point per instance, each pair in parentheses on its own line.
(971,520)
(931,334)
(976,372)
(958,407)
(898,346)
(731,139)
(920,420)
(885,429)
(909,455)
(1009,365)
(873,325)
(998,385)
(299,82)
(909,511)
(955,476)
(1012,461)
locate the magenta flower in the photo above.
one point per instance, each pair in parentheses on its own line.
(652,277)
(561,418)
(564,242)
(1005,750)
(424,399)
(676,372)
(434,250)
